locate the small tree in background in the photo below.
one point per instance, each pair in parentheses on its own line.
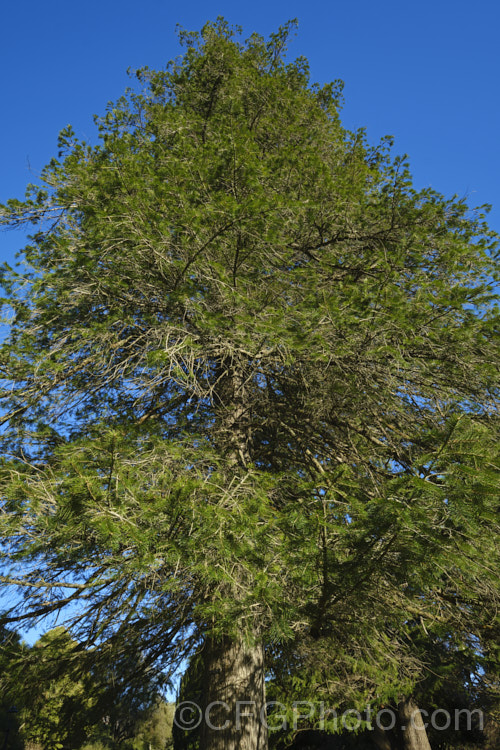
(250,387)
(11,650)
(59,705)
(55,705)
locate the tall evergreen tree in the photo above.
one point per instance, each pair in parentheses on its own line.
(243,355)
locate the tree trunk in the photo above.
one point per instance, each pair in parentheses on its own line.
(233,688)
(234,710)
(412,726)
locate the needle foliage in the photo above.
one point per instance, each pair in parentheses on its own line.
(249,385)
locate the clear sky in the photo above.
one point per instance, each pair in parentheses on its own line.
(425,72)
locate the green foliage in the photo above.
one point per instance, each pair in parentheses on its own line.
(55,705)
(11,649)
(155,730)
(63,702)
(250,382)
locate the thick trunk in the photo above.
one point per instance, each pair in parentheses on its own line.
(234,711)
(233,688)
(412,726)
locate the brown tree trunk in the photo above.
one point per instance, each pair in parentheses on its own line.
(234,710)
(233,688)
(412,726)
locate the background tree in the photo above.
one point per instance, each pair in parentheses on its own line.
(155,729)
(54,706)
(11,649)
(240,350)
(58,706)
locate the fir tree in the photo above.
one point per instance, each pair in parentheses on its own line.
(250,385)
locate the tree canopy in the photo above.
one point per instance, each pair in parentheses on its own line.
(250,381)
(45,704)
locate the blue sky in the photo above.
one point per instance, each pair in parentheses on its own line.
(426,73)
